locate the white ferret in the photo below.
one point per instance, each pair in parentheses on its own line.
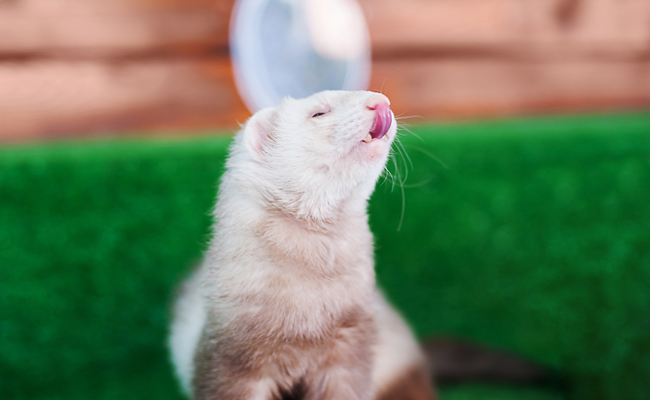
(285,305)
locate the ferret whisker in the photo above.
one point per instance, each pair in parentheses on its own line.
(399,148)
(404,153)
(385,174)
(396,171)
(347,78)
(419,184)
(401,217)
(404,128)
(411,185)
(393,158)
(403,124)
(431,156)
(402,117)
(401,151)
(400,182)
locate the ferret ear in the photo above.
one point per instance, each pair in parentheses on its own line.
(258,132)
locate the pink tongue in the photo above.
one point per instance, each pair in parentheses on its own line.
(383,121)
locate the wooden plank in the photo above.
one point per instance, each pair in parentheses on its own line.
(78,67)
(112,27)
(457,88)
(82,28)
(49,99)
(527,24)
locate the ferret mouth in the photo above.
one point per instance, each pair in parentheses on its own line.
(381,124)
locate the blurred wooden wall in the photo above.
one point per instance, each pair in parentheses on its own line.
(98,67)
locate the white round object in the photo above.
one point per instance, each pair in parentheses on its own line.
(296,48)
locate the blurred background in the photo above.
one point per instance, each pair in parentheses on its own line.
(524,224)
(71,68)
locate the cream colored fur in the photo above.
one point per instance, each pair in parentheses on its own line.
(396,349)
(287,292)
(189,319)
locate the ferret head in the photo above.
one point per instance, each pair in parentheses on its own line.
(311,157)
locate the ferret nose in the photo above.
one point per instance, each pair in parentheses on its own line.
(383,115)
(376,101)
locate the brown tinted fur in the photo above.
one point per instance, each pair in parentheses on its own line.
(460,361)
(414,384)
(338,366)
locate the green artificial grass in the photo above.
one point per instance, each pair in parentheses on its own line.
(493,392)
(528,234)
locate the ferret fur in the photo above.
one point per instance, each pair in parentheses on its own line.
(285,304)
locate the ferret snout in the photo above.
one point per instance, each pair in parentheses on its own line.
(383,116)
(375,100)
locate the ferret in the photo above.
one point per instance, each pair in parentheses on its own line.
(285,305)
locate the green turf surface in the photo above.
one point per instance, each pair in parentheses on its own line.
(528,234)
(489,392)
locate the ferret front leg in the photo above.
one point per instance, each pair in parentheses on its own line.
(346,373)
(262,389)
(341,384)
(225,370)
